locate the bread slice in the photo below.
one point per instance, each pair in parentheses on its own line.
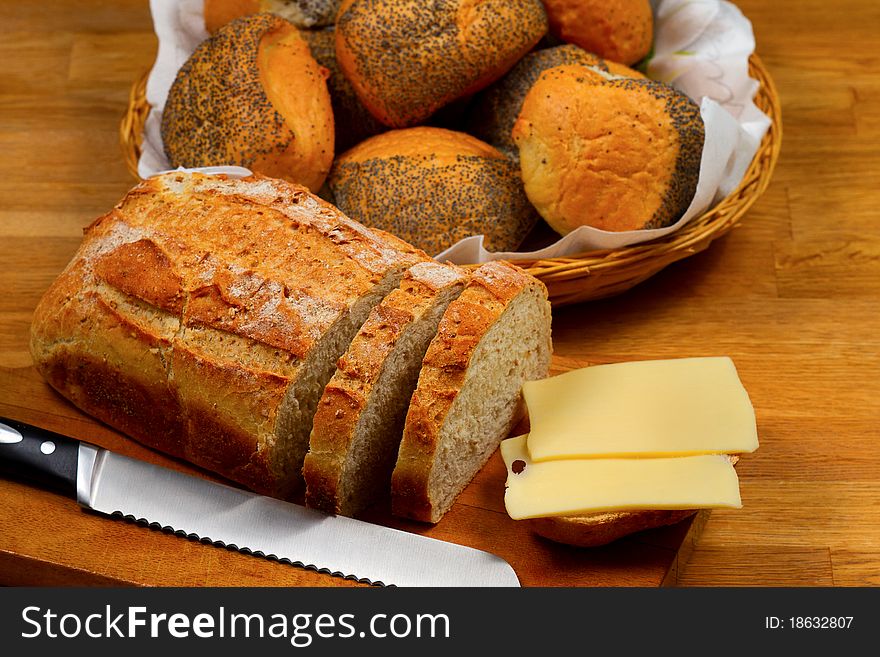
(358,424)
(203,317)
(602,528)
(596,529)
(492,338)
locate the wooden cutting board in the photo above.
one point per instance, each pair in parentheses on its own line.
(46,539)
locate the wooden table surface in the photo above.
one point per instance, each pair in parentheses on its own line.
(791,294)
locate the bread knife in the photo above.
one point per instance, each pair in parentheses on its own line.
(115,485)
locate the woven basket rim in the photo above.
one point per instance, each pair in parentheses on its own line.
(596,273)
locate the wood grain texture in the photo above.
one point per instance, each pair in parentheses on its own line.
(791,295)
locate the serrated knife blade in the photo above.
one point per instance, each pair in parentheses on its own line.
(113,484)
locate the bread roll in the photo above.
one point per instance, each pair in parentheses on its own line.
(491,339)
(619,30)
(252,95)
(433,187)
(353,121)
(359,422)
(498,107)
(619,154)
(203,317)
(304,14)
(408,58)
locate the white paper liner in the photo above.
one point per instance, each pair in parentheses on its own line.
(701,47)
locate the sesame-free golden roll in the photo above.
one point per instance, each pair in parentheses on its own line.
(619,154)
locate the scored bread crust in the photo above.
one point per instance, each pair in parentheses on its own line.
(493,287)
(194,308)
(252,95)
(408,58)
(330,468)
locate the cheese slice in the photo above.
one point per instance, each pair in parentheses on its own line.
(582,486)
(654,408)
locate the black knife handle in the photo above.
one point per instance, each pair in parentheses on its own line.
(39,456)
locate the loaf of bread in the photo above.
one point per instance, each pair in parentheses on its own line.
(359,421)
(353,122)
(408,58)
(252,95)
(303,14)
(203,316)
(433,187)
(617,154)
(619,30)
(498,106)
(491,339)
(596,529)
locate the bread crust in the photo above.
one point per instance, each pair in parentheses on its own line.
(434,187)
(619,30)
(602,528)
(252,95)
(352,121)
(499,105)
(444,370)
(220,12)
(347,395)
(190,308)
(619,154)
(408,58)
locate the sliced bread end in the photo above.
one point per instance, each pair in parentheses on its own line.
(494,337)
(359,421)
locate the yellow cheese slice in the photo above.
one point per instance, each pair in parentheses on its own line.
(656,408)
(581,486)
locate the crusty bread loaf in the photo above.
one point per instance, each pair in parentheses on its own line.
(433,187)
(203,317)
(616,154)
(408,58)
(619,30)
(252,95)
(304,14)
(498,106)
(359,421)
(492,338)
(353,122)
(595,529)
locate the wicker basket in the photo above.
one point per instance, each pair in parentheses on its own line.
(595,274)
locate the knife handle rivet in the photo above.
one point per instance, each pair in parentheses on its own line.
(47,447)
